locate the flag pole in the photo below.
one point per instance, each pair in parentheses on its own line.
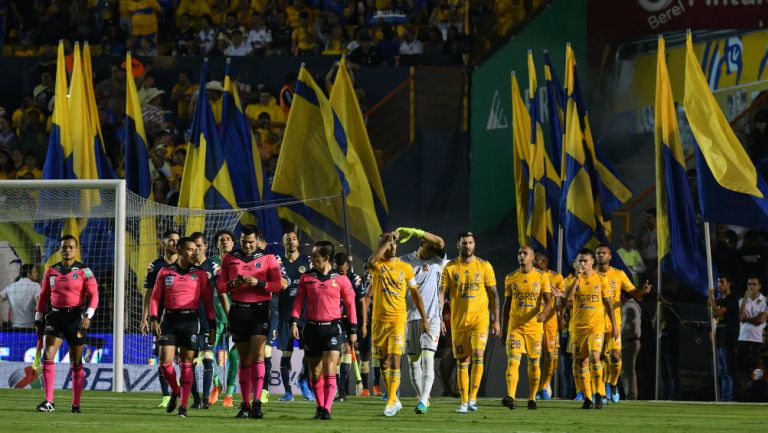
(555,389)
(657,381)
(345,216)
(710,280)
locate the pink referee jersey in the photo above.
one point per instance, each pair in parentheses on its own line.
(68,287)
(180,289)
(324,294)
(262,266)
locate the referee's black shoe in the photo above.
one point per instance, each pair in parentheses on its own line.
(172,403)
(182,412)
(244,411)
(75,409)
(318,413)
(325,415)
(256,412)
(46,406)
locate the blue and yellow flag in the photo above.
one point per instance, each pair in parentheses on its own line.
(731,191)
(81,127)
(206,183)
(58,161)
(103,166)
(137,175)
(521,160)
(316,160)
(244,161)
(556,101)
(544,182)
(681,248)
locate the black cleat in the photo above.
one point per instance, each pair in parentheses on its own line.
(587,404)
(46,406)
(318,412)
(182,412)
(197,404)
(508,402)
(206,405)
(325,415)
(598,401)
(244,411)
(256,412)
(75,409)
(532,405)
(172,403)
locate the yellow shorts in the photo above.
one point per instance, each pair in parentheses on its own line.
(387,338)
(468,340)
(519,343)
(551,341)
(611,343)
(584,344)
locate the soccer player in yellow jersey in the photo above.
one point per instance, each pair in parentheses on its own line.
(471,286)
(618,282)
(590,300)
(391,279)
(527,302)
(551,343)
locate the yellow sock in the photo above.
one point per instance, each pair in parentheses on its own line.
(462,381)
(534,375)
(586,382)
(615,368)
(605,362)
(598,386)
(548,369)
(392,386)
(385,379)
(513,375)
(477,376)
(576,369)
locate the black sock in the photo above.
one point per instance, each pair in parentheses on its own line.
(344,378)
(376,375)
(207,377)
(195,391)
(285,373)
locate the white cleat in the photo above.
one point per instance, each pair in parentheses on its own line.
(462,409)
(398,406)
(472,406)
(389,411)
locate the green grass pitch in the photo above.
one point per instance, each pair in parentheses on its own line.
(106,412)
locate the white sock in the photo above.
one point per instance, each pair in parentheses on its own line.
(428,371)
(417,376)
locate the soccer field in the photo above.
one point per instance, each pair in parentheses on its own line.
(106,412)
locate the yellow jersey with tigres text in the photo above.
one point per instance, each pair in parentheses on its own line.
(524,293)
(588,314)
(466,284)
(390,282)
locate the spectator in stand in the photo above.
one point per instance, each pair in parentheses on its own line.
(726,311)
(359,13)
(231,25)
(388,47)
(29,168)
(26,48)
(113,39)
(758,142)
(242,9)
(22,296)
(207,35)
(145,49)
(281,35)
(7,170)
(18,160)
(646,243)
(144,19)
(366,54)
(177,165)
(753,257)
(145,83)
(43,92)
(194,9)
(219,11)
(457,45)
(267,104)
(434,45)
(82,20)
(215,91)
(259,37)
(34,137)
(630,338)
(320,30)
(160,166)
(303,41)
(293,13)
(112,90)
(184,32)
(237,46)
(152,112)
(753,313)
(410,45)
(160,189)
(8,139)
(631,257)
(335,46)
(192,47)
(285,98)
(268,137)
(181,94)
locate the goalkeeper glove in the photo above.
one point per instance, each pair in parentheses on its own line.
(408,232)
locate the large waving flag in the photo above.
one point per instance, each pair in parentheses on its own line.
(103,166)
(731,190)
(316,160)
(681,248)
(243,160)
(58,162)
(81,129)
(206,183)
(521,160)
(544,182)
(556,101)
(344,102)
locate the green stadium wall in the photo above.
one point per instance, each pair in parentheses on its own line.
(491,194)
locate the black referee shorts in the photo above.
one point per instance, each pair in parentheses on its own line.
(65,324)
(180,329)
(248,319)
(322,337)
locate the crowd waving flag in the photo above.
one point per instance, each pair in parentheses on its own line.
(521,159)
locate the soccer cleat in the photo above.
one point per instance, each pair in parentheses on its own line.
(198,404)
(389,411)
(256,412)
(286,397)
(398,406)
(365,393)
(508,402)
(228,401)
(46,406)
(305,391)
(244,411)
(318,412)
(544,395)
(532,405)
(164,402)
(472,405)
(182,412)
(75,409)
(376,391)
(462,409)
(579,396)
(599,401)
(172,403)
(206,406)
(214,397)
(421,408)
(607,389)
(264,396)
(615,397)
(587,404)
(325,415)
